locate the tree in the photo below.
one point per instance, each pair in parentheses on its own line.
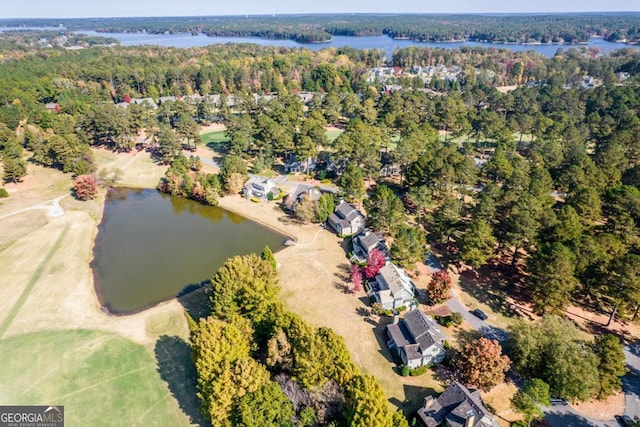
(267,255)
(552,278)
(478,243)
(366,403)
(307,209)
(267,406)
(551,349)
(385,211)
(611,364)
(531,398)
(14,169)
(481,363)
(374,263)
(326,206)
(356,278)
(439,288)
(85,187)
(352,183)
(168,142)
(408,246)
(233,172)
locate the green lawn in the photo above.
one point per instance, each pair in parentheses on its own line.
(102,379)
(214,137)
(333,134)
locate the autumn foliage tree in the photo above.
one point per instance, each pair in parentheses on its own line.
(439,287)
(356,278)
(481,363)
(85,187)
(375,262)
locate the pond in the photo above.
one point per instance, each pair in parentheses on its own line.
(151,246)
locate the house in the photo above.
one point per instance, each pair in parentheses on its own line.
(365,242)
(145,102)
(301,191)
(300,166)
(260,188)
(416,340)
(52,106)
(346,220)
(390,170)
(457,406)
(392,288)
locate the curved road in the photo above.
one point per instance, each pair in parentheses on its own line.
(560,416)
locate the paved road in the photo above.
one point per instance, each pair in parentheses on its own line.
(559,416)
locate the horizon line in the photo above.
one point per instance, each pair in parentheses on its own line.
(293,14)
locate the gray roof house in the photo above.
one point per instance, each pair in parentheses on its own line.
(457,406)
(392,288)
(365,242)
(346,220)
(301,191)
(417,340)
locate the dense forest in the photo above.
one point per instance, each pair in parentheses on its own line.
(539,184)
(563,28)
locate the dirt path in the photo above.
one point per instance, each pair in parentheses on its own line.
(53,206)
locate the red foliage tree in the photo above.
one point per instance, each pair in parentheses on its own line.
(481,364)
(85,187)
(126,98)
(375,262)
(356,278)
(439,287)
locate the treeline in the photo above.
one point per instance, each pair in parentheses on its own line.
(561,28)
(261,365)
(20,41)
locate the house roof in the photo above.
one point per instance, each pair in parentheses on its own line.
(335,220)
(395,279)
(369,240)
(415,333)
(456,404)
(348,212)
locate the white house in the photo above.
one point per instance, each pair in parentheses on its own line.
(392,288)
(346,220)
(260,188)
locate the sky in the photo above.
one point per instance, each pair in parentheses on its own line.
(121,8)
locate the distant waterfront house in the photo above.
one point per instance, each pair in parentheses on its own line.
(300,192)
(457,406)
(392,288)
(300,166)
(365,242)
(346,220)
(260,188)
(416,340)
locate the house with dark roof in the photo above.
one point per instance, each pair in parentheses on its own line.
(416,340)
(365,242)
(346,220)
(457,406)
(392,288)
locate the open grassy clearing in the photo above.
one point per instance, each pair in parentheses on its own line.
(102,379)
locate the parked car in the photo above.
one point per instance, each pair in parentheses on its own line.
(557,401)
(626,421)
(479,314)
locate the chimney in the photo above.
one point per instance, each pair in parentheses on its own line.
(471,417)
(428,402)
(396,317)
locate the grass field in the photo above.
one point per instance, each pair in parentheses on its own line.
(102,379)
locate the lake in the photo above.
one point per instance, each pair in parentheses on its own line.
(370,42)
(150,246)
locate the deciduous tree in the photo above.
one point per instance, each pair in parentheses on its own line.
(439,288)
(374,263)
(481,363)
(85,187)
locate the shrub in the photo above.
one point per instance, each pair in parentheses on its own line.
(270,196)
(3,193)
(405,370)
(255,200)
(456,318)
